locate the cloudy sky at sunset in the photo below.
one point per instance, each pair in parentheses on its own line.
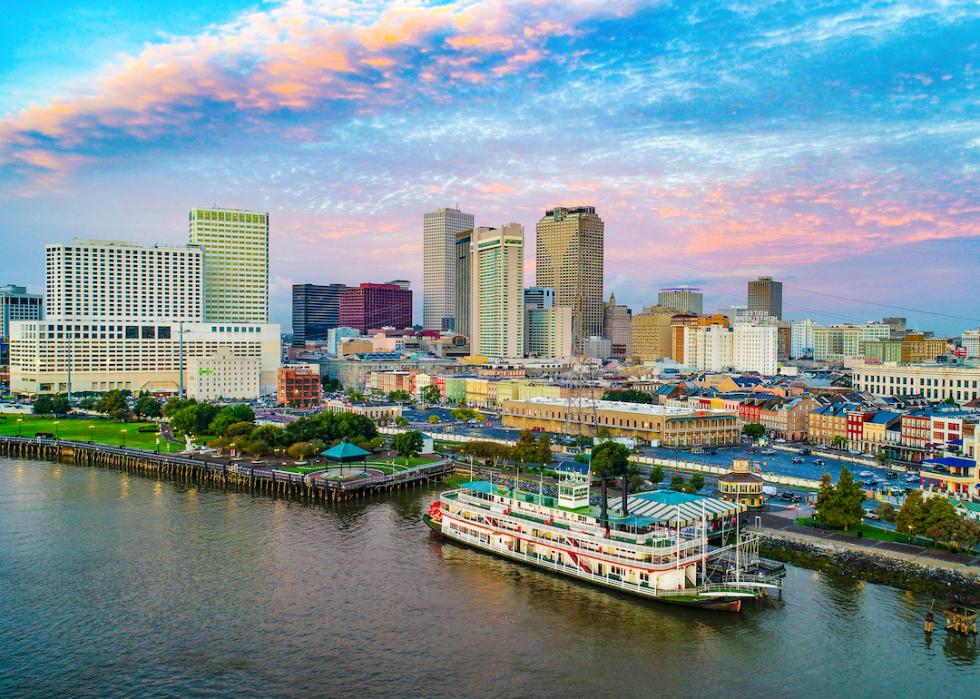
(833,145)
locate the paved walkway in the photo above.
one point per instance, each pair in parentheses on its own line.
(781,524)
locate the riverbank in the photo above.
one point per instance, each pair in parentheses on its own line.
(936,576)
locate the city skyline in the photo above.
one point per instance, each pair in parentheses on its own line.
(718,163)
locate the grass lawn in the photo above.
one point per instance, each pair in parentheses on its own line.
(300,469)
(102,431)
(870,532)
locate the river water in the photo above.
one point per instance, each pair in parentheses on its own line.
(116,585)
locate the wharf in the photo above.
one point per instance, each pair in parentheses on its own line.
(198,469)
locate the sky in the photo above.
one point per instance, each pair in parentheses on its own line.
(832,145)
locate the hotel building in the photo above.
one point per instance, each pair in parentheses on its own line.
(126,316)
(497,291)
(236,263)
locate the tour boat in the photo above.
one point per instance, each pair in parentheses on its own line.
(670,547)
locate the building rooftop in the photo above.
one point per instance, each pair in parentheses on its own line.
(617,406)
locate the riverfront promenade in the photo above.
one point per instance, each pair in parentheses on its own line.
(780,525)
(261,478)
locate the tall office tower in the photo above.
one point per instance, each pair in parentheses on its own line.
(316,309)
(236,263)
(683,299)
(549,331)
(766,296)
(651,333)
(497,291)
(898,325)
(122,315)
(618,323)
(570,260)
(17,304)
(375,306)
(439,229)
(539,297)
(461,319)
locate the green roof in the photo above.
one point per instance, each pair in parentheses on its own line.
(345,451)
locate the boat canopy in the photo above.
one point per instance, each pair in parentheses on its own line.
(671,508)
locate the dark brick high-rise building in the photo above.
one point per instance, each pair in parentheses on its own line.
(376,306)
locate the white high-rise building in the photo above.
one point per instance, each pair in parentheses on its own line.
(755,348)
(236,263)
(439,230)
(126,316)
(801,338)
(708,348)
(497,291)
(971,343)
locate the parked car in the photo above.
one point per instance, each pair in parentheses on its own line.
(871,514)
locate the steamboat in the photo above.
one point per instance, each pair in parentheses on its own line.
(662,545)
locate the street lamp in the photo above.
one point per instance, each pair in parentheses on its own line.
(122,438)
(20,422)
(90,433)
(56,431)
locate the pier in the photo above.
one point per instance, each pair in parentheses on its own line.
(188,468)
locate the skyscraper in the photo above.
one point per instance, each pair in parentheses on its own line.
(618,324)
(539,297)
(316,309)
(374,306)
(236,263)
(17,304)
(497,291)
(461,324)
(570,260)
(683,299)
(439,231)
(766,296)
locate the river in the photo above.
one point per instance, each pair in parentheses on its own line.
(117,585)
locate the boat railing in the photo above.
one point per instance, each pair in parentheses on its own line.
(609,580)
(667,545)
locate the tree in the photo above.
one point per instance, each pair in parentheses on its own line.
(696,482)
(300,450)
(677,482)
(753,430)
(886,511)
(838,442)
(526,449)
(400,396)
(613,459)
(408,444)
(147,406)
(330,385)
(544,455)
(825,495)
(401,421)
(430,394)
(256,447)
(628,395)
(172,405)
(882,458)
(965,535)
(909,517)
(434,420)
(43,405)
(238,430)
(841,507)
(195,418)
(230,415)
(114,404)
(939,519)
(656,474)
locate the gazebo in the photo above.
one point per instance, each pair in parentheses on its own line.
(344,453)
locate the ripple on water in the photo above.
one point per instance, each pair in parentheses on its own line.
(116,585)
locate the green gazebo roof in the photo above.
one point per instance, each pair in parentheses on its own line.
(345,451)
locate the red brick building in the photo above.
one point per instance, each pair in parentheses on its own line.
(298,386)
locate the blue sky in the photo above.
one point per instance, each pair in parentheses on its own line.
(831,145)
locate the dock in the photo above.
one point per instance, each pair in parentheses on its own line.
(198,469)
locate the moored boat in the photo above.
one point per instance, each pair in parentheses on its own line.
(668,546)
